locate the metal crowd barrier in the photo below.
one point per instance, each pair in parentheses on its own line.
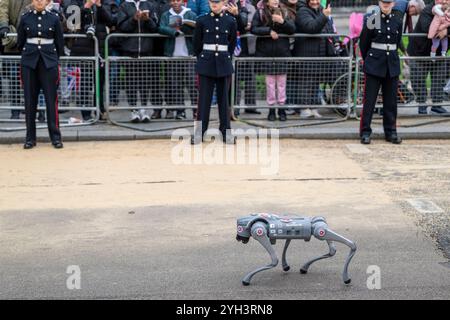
(148,83)
(311,82)
(79,83)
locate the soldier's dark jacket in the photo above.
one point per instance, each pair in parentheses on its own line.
(381,63)
(44,25)
(220,29)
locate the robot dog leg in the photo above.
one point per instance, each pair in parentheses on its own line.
(321,231)
(283,259)
(259,233)
(332,252)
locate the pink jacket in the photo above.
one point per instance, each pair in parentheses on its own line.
(441,21)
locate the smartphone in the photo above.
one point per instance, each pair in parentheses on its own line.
(325,3)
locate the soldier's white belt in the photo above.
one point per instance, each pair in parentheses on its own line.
(40,41)
(384,46)
(215,47)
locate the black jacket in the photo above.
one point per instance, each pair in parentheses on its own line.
(214,29)
(382,63)
(266,46)
(99,17)
(312,21)
(137,46)
(44,25)
(421,46)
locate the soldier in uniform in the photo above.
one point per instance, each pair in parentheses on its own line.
(379,42)
(214,42)
(40,39)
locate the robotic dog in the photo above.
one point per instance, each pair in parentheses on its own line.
(268,228)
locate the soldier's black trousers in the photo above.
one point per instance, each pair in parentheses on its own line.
(33,80)
(206,89)
(371,89)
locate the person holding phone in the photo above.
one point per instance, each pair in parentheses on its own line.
(40,39)
(312,18)
(139,17)
(270,23)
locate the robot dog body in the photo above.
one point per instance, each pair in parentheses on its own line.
(268,228)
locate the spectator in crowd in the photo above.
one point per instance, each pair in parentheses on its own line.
(244,11)
(312,19)
(246,47)
(439,25)
(199,7)
(138,17)
(272,20)
(114,50)
(420,69)
(10,13)
(293,77)
(177,23)
(408,8)
(94,20)
(160,67)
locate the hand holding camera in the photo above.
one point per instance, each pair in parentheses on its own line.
(4,32)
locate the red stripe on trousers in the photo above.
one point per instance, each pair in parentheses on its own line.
(364,101)
(56,102)
(198,96)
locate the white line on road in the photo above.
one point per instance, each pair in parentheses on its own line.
(425,206)
(357,148)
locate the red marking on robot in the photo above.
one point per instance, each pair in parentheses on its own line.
(259,232)
(321,233)
(240,229)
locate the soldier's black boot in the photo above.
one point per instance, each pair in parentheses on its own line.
(57,145)
(29,144)
(393,138)
(365,139)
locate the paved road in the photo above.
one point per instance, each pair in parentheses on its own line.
(139,226)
